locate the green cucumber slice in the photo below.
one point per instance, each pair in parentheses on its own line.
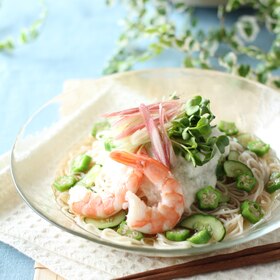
(110,222)
(233,155)
(234,168)
(201,237)
(200,222)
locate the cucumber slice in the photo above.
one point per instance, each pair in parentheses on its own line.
(108,222)
(201,237)
(200,222)
(234,168)
(233,155)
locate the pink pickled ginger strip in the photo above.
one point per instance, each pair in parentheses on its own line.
(157,145)
(136,110)
(170,155)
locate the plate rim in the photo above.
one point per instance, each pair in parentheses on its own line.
(173,252)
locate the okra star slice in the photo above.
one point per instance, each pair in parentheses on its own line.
(274,182)
(124,230)
(99,126)
(229,128)
(178,234)
(251,211)
(81,163)
(258,147)
(246,182)
(200,237)
(64,183)
(208,198)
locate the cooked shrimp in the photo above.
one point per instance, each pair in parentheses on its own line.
(87,203)
(166,214)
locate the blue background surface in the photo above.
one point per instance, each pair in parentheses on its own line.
(77,39)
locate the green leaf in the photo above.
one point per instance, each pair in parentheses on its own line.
(233,5)
(184,121)
(192,106)
(28,34)
(191,132)
(262,77)
(277,83)
(7,45)
(23,37)
(185,134)
(156,48)
(188,62)
(192,143)
(203,127)
(229,60)
(244,70)
(200,48)
(161,10)
(222,142)
(194,22)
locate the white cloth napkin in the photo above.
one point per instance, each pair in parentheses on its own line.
(75,258)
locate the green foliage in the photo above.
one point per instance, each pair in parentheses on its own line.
(190,132)
(27,34)
(152,21)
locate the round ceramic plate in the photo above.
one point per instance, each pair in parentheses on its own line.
(46,139)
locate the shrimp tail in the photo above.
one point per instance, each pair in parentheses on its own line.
(129,159)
